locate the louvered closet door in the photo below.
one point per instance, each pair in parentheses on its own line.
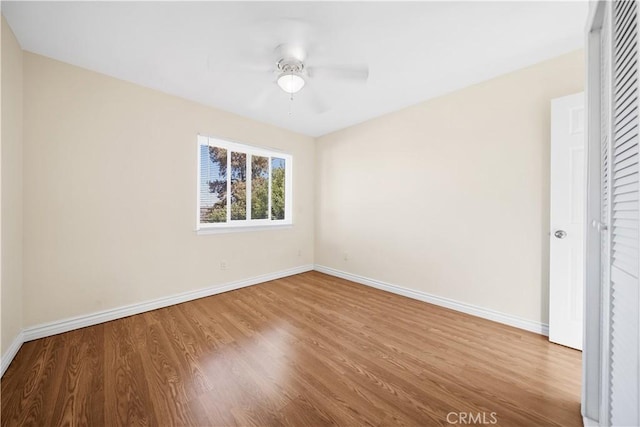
(623,218)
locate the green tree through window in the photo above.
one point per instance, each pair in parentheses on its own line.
(259,187)
(223,169)
(277,188)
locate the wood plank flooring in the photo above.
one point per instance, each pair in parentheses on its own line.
(306,350)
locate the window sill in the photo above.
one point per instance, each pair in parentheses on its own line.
(241,229)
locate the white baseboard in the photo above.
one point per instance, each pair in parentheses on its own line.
(57,327)
(77,322)
(11,352)
(474,310)
(588,422)
(65,325)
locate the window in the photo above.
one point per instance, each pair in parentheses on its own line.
(242,186)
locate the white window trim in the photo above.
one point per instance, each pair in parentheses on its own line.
(248,224)
(224,230)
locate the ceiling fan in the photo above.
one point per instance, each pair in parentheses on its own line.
(294,71)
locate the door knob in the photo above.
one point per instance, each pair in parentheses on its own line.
(560,234)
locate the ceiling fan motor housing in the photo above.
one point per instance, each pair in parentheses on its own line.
(290,66)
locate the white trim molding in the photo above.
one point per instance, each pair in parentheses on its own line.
(69,324)
(65,325)
(588,422)
(474,310)
(206,231)
(11,352)
(77,322)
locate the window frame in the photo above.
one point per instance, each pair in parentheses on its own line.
(247,224)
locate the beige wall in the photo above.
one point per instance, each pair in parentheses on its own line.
(448,197)
(110,196)
(11,188)
(451,196)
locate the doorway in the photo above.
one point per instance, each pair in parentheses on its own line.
(566,264)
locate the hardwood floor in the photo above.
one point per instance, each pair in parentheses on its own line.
(309,349)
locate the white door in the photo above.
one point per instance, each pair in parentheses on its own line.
(567,212)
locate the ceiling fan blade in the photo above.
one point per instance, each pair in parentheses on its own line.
(262,98)
(218,67)
(353,73)
(316,102)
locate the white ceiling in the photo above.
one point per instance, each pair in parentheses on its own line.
(219,53)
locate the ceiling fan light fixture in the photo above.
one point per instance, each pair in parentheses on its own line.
(290,82)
